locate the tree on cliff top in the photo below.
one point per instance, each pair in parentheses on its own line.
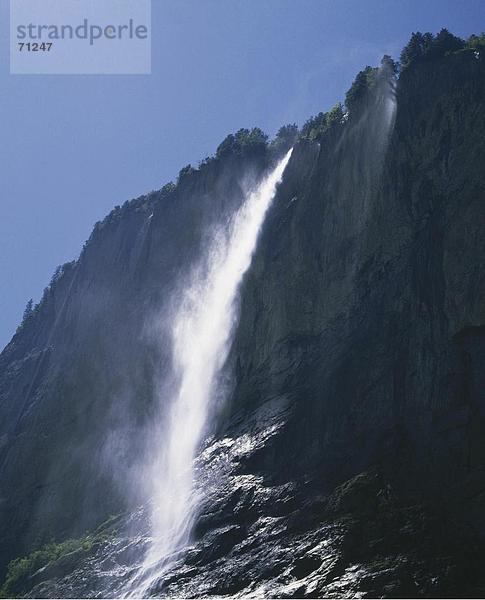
(422,46)
(364,81)
(243,142)
(319,124)
(476,42)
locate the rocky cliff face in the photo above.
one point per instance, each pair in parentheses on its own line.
(79,378)
(372,320)
(349,457)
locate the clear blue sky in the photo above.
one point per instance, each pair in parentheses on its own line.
(74,146)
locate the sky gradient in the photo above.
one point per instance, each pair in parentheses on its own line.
(74,146)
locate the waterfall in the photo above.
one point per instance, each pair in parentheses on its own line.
(202,329)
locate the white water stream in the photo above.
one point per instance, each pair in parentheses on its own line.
(201,336)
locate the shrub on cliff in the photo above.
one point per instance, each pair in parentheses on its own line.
(388,64)
(423,46)
(21,570)
(476,42)
(316,126)
(445,43)
(185,172)
(284,139)
(364,81)
(244,142)
(28,313)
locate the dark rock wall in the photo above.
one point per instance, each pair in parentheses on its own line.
(81,380)
(365,303)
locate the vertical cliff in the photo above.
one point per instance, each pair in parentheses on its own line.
(79,378)
(365,302)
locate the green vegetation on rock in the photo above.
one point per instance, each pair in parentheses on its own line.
(284,139)
(20,571)
(316,126)
(243,143)
(424,46)
(364,81)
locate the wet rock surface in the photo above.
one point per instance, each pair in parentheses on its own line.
(254,540)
